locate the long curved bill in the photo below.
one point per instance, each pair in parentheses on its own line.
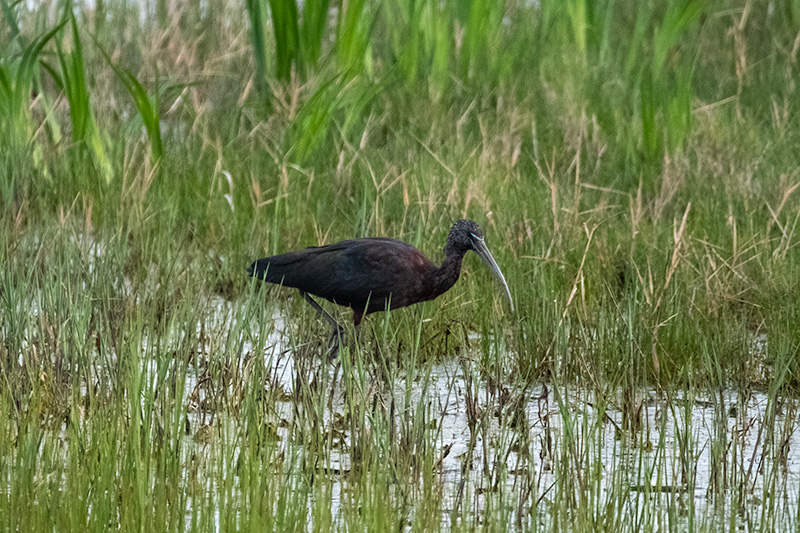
(488,258)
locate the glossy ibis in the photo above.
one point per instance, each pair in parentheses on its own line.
(374,273)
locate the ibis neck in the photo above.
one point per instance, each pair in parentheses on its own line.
(447,274)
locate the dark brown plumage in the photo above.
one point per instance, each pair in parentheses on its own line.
(375,273)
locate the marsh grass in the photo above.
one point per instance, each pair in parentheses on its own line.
(633,166)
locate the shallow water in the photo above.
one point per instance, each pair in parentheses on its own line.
(709,455)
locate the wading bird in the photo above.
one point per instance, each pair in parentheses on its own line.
(375,273)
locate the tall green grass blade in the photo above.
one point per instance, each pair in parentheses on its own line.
(315,21)
(312,124)
(353,31)
(603,29)
(84,126)
(74,84)
(439,35)
(286,25)
(257,15)
(666,93)
(333,105)
(579,22)
(50,118)
(680,17)
(422,41)
(11,19)
(147,107)
(475,25)
(8,119)
(680,107)
(650,136)
(18,78)
(637,40)
(17,84)
(404,21)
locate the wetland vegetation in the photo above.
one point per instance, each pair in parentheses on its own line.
(634,167)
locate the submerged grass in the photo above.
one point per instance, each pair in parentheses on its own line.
(633,166)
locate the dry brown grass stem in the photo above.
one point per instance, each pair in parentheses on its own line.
(781,113)
(715,281)
(646,283)
(137,177)
(787,233)
(672,179)
(578,282)
(636,209)
(288,95)
(436,157)
(677,237)
(428,201)
(603,189)
(740,53)
(549,179)
(462,121)
(322,237)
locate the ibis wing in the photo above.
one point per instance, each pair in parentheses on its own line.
(299,269)
(361,273)
(380,272)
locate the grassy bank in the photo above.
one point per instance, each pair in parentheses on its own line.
(633,165)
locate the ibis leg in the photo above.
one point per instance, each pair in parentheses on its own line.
(324,314)
(338,331)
